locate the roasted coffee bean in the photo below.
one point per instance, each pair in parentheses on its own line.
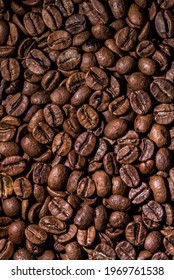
(17,105)
(96,78)
(153,211)
(103,252)
(129,175)
(85,144)
(164,24)
(11,207)
(162,90)
(58,177)
(52,17)
(6,249)
(50,224)
(37,62)
(140,194)
(10,69)
(22,187)
(13,165)
(87,117)
(164,113)
(33,23)
(84,217)
(136,233)
(125,251)
(35,234)
(59,40)
(69,59)
(125,38)
(59,208)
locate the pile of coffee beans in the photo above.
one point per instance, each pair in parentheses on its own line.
(86,129)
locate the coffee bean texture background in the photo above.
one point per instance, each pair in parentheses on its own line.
(86,129)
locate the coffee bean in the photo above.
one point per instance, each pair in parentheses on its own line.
(59,40)
(37,62)
(164,24)
(59,208)
(6,249)
(136,233)
(129,175)
(164,113)
(103,252)
(52,17)
(85,144)
(125,251)
(10,69)
(125,38)
(153,211)
(96,78)
(162,90)
(140,194)
(84,217)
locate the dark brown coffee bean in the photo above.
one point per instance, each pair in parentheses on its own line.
(153,241)
(125,38)
(136,233)
(153,211)
(74,251)
(162,90)
(96,78)
(99,100)
(11,207)
(61,144)
(41,172)
(17,105)
(159,256)
(127,154)
(68,236)
(140,102)
(119,106)
(85,144)
(129,175)
(37,62)
(110,164)
(13,165)
(147,148)
(58,177)
(95,11)
(103,252)
(119,219)
(6,185)
(116,129)
(33,23)
(86,237)
(163,159)
(22,187)
(53,115)
(52,17)
(7,132)
(140,194)
(17,232)
(69,59)
(137,15)
(102,183)
(164,113)
(35,234)
(119,203)
(6,249)
(59,208)
(145,48)
(10,69)
(125,251)
(75,24)
(43,133)
(51,224)
(86,187)
(164,24)
(87,117)
(84,217)
(118,8)
(138,81)
(59,40)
